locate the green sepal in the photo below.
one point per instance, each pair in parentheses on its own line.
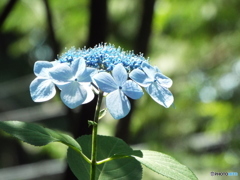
(91,123)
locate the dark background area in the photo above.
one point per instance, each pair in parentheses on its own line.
(195,43)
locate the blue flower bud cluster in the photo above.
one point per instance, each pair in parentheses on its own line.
(121,75)
(105,57)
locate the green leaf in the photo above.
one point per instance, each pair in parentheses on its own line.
(165,165)
(102,113)
(37,135)
(121,169)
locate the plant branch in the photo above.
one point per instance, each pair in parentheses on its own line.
(7,10)
(51,32)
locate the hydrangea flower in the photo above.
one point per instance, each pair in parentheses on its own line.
(74,82)
(42,88)
(119,87)
(119,74)
(155,83)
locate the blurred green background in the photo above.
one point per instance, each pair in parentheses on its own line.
(195,43)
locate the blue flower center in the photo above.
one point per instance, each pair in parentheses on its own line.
(120,87)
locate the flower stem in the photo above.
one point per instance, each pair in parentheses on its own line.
(94,137)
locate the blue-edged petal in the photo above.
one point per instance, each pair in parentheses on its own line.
(90,94)
(41,68)
(140,77)
(149,70)
(157,69)
(78,66)
(132,89)
(87,75)
(73,94)
(163,80)
(120,75)
(160,94)
(118,104)
(105,82)
(42,90)
(60,86)
(61,74)
(55,63)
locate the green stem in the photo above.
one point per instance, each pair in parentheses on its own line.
(94,137)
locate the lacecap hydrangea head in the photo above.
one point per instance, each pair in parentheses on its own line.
(120,74)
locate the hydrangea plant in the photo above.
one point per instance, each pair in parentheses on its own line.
(106,72)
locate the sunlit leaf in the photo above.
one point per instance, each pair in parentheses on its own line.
(124,169)
(36,135)
(165,165)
